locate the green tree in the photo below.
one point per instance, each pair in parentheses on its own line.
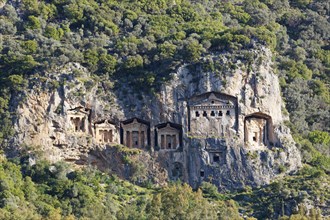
(107,64)
(52,32)
(33,23)
(133,62)
(30,46)
(180,202)
(319,137)
(192,50)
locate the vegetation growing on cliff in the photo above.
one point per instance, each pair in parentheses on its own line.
(39,190)
(56,191)
(283,197)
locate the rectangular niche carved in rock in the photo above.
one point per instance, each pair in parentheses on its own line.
(106,132)
(219,115)
(258,130)
(168,136)
(78,118)
(135,133)
(217,158)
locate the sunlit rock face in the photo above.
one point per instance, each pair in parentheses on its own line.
(223,125)
(212,114)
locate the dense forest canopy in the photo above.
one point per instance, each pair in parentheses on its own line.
(141,43)
(45,191)
(39,190)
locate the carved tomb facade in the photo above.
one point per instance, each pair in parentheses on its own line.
(258,130)
(168,136)
(79,119)
(106,132)
(213,114)
(135,132)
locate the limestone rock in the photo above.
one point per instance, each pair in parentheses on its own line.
(228,124)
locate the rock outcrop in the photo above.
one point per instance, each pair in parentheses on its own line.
(228,126)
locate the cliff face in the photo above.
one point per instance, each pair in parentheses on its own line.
(226,123)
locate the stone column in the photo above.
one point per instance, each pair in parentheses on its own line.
(174,138)
(162,142)
(143,138)
(81,124)
(260,135)
(106,136)
(265,128)
(140,139)
(83,129)
(110,136)
(127,138)
(131,139)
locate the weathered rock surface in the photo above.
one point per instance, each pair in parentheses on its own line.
(228,161)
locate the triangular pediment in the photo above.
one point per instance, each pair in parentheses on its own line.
(135,121)
(213,97)
(105,124)
(212,100)
(168,127)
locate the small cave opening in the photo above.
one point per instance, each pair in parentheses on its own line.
(212,113)
(216,158)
